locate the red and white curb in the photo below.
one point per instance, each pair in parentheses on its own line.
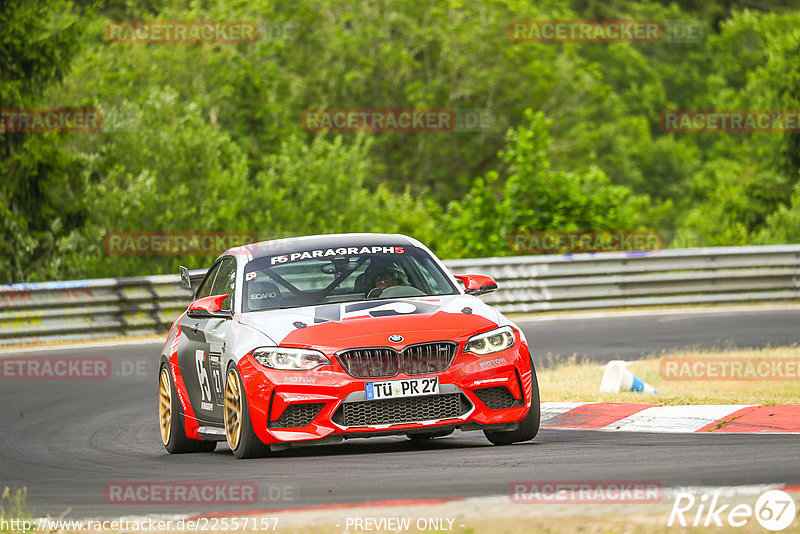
(629,417)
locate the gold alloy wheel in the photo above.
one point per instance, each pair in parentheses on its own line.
(164,406)
(233,410)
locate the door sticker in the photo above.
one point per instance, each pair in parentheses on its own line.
(202,376)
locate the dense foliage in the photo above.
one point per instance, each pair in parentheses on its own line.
(208,137)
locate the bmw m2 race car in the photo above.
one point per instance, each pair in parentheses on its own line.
(318,339)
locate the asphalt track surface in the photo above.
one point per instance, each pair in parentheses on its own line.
(66,440)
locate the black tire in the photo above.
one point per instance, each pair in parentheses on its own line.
(425,436)
(173,433)
(242,439)
(528,427)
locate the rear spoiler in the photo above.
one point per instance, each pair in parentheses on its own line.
(190,279)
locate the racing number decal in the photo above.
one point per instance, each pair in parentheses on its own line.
(202,376)
(216,376)
(382,308)
(386,308)
(217,379)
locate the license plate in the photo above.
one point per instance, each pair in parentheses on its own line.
(410,387)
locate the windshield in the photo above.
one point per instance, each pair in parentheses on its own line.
(325,276)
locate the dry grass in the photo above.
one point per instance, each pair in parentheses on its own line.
(13,506)
(577,380)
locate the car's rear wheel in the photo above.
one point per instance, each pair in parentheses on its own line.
(528,427)
(173,434)
(238,427)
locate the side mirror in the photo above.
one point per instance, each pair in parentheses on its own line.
(208,307)
(477,284)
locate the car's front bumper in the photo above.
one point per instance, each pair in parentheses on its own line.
(475,392)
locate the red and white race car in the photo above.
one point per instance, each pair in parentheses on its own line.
(317,339)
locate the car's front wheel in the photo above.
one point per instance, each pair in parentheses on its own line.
(238,427)
(173,435)
(528,427)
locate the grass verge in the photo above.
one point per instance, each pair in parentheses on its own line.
(13,507)
(574,380)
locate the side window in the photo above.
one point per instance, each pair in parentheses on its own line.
(205,286)
(225,281)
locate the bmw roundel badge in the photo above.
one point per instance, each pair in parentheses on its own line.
(395,338)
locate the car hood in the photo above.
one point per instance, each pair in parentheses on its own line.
(332,327)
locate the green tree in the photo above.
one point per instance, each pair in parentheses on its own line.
(532,196)
(217,127)
(166,168)
(38,192)
(744,183)
(783,224)
(323,187)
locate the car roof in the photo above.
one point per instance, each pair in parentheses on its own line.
(323,241)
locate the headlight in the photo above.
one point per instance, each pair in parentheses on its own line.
(290,359)
(491,341)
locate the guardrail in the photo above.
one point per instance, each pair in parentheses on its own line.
(653,278)
(84,309)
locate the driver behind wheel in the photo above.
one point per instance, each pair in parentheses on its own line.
(387,277)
